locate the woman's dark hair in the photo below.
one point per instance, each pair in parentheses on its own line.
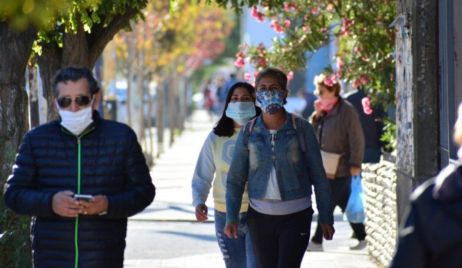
(225,126)
(74,74)
(277,74)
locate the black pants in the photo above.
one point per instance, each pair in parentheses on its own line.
(279,241)
(341,189)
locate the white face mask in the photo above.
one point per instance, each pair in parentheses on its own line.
(76,122)
(241,112)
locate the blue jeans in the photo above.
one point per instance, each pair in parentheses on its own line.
(237,253)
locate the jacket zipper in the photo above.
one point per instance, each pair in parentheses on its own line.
(76,226)
(79,175)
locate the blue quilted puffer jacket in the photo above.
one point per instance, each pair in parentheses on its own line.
(105,159)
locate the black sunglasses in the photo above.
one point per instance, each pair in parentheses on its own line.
(81,101)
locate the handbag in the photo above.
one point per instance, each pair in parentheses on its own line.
(354,210)
(330,161)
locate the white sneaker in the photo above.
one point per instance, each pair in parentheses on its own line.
(361,245)
(313,246)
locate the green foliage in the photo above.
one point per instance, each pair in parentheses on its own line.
(389,136)
(89,14)
(39,13)
(361,30)
(237,5)
(14,244)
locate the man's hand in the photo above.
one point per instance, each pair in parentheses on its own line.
(201,212)
(328,231)
(231,230)
(355,171)
(65,205)
(97,205)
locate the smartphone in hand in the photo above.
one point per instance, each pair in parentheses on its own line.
(83,197)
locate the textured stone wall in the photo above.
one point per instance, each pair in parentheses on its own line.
(379,184)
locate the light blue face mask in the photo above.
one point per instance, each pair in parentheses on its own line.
(270,101)
(241,112)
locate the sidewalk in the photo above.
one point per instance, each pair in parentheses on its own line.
(172,177)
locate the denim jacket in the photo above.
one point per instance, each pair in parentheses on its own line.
(296,171)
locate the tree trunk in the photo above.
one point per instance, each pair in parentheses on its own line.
(79,49)
(172,109)
(182,102)
(49,62)
(130,79)
(149,138)
(33,96)
(160,117)
(15,49)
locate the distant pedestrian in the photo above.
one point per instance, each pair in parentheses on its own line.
(80,178)
(209,100)
(223,92)
(372,125)
(212,169)
(277,156)
(432,232)
(340,134)
(310,98)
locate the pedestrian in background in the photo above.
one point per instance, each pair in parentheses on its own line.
(223,92)
(339,132)
(209,100)
(371,123)
(277,156)
(212,169)
(310,98)
(432,232)
(81,153)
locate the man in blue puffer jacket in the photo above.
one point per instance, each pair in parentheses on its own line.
(79,154)
(432,233)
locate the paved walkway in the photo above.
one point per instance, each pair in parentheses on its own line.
(172,177)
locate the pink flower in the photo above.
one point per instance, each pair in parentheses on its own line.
(339,63)
(260,17)
(247,76)
(364,79)
(290,75)
(356,83)
(239,63)
(276,26)
(287,23)
(314,10)
(330,80)
(254,11)
(306,29)
(289,6)
(366,102)
(346,26)
(262,62)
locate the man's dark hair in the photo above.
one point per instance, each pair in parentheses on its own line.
(225,126)
(74,74)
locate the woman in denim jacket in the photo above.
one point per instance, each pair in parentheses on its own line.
(212,168)
(279,174)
